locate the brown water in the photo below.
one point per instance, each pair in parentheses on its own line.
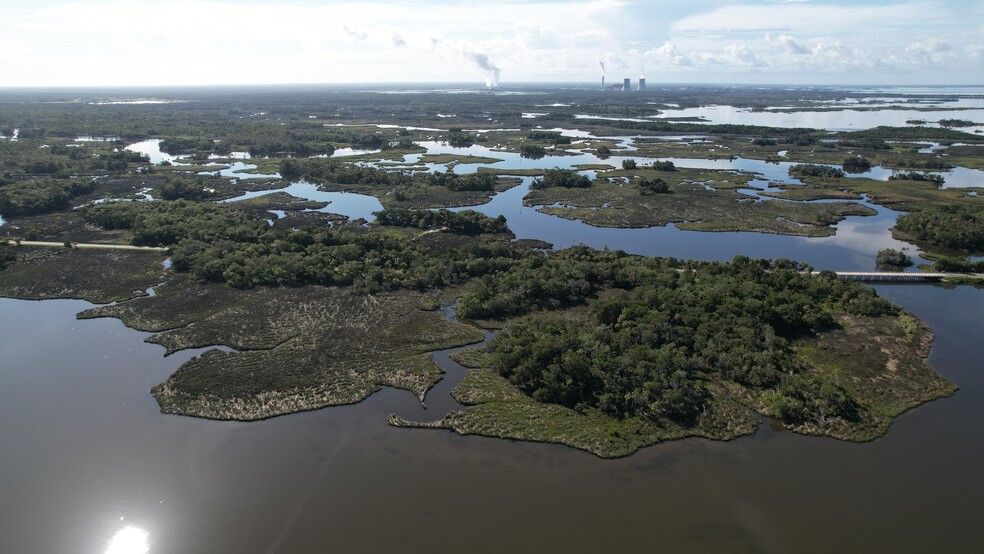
(84,452)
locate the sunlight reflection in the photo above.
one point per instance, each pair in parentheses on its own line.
(129,540)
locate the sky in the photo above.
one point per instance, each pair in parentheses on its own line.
(218,42)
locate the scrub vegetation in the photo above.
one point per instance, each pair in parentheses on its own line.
(599,350)
(609,352)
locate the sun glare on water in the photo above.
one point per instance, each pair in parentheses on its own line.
(129,540)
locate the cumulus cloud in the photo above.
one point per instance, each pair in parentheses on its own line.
(929,46)
(789,45)
(665,55)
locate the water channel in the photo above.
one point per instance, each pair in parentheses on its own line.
(86,453)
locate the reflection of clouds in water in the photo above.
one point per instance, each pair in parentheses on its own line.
(834,120)
(129,540)
(152,149)
(864,236)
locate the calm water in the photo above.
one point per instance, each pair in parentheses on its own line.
(831,120)
(86,453)
(854,246)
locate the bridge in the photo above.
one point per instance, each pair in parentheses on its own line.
(902,277)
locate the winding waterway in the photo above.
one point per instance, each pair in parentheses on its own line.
(85,452)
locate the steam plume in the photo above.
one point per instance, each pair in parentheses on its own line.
(491,70)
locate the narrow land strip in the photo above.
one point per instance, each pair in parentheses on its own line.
(86,245)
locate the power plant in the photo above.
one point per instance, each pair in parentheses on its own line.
(626,85)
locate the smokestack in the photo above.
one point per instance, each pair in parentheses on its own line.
(642,83)
(602,82)
(627,86)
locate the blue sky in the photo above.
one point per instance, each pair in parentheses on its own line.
(182,42)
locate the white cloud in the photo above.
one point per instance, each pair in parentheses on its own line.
(807,17)
(118,42)
(929,46)
(789,45)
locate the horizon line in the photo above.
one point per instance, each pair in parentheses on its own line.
(479,86)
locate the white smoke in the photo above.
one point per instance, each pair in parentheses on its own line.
(483,61)
(602,64)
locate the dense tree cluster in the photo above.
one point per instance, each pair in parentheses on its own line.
(115,161)
(532,151)
(666,165)
(63,161)
(324,170)
(916,176)
(466,222)
(566,178)
(484,182)
(186,188)
(856,164)
(41,195)
(629,164)
(893,257)
(168,223)
(459,139)
(178,145)
(806,397)
(225,244)
(661,330)
(956,123)
(555,137)
(327,170)
(811,170)
(7,256)
(931,163)
(948,264)
(957,227)
(648,187)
